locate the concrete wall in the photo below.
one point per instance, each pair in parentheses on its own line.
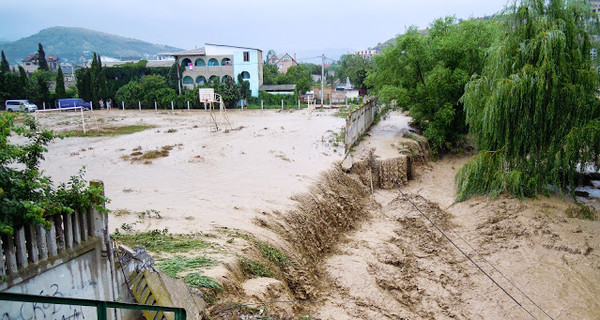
(359,121)
(73,259)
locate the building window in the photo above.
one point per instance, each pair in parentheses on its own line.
(245,75)
(226,62)
(188,80)
(281,66)
(213,62)
(200,62)
(213,79)
(200,80)
(246,56)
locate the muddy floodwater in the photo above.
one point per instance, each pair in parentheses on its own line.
(358,253)
(210,177)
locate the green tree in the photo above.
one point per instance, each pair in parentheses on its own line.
(425,73)
(300,76)
(42,62)
(244,87)
(41,87)
(354,67)
(84,84)
(28,197)
(60,84)
(4,65)
(533,112)
(270,74)
(97,79)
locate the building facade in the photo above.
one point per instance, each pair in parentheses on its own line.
(223,63)
(285,63)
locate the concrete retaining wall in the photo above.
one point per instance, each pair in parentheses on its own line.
(359,121)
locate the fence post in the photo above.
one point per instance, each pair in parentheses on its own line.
(155,108)
(261,104)
(171,105)
(10,252)
(139,106)
(281,104)
(20,243)
(298,104)
(44,105)
(91,106)
(188,103)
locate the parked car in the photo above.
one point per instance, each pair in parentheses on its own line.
(73,102)
(19,105)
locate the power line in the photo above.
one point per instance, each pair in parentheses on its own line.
(494,267)
(469,257)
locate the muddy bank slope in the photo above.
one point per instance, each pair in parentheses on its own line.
(398,266)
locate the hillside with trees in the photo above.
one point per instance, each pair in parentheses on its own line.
(76,45)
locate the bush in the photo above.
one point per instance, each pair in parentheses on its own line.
(28,197)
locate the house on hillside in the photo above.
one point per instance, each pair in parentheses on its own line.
(223,63)
(285,63)
(31,62)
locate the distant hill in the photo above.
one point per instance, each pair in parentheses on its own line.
(76,45)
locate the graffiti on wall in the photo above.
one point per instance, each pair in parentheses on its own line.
(47,311)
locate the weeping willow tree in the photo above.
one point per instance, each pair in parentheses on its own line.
(533,112)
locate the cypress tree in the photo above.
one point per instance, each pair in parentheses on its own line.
(533,112)
(42,58)
(60,84)
(4,65)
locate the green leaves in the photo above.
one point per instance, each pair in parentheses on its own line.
(26,196)
(426,74)
(536,101)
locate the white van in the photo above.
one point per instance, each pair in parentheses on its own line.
(19,105)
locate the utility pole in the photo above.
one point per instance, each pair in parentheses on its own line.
(322,77)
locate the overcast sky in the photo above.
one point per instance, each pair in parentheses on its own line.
(286,26)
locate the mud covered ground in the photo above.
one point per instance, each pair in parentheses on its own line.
(351,255)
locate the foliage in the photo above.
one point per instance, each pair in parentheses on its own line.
(162,241)
(75,45)
(425,73)
(274,99)
(173,266)
(42,62)
(299,75)
(28,197)
(40,92)
(253,269)
(533,111)
(60,84)
(270,74)
(147,90)
(355,67)
(273,255)
(197,280)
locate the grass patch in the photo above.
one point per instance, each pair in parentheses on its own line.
(581,211)
(197,280)
(162,241)
(253,269)
(273,106)
(111,131)
(173,266)
(343,112)
(138,155)
(273,255)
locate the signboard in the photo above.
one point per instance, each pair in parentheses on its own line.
(206,95)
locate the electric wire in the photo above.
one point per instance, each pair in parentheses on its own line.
(465,254)
(495,269)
